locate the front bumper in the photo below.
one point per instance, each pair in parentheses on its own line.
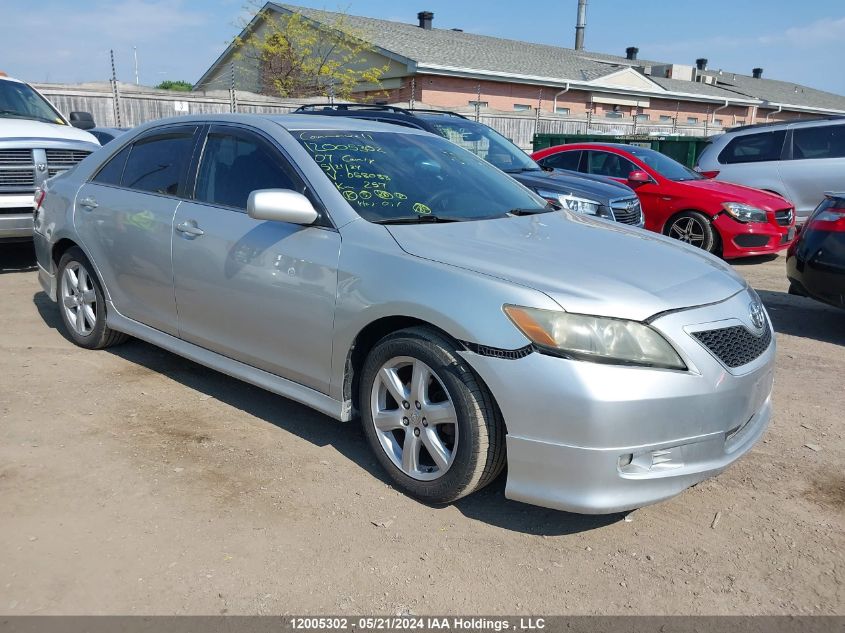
(753,238)
(595,439)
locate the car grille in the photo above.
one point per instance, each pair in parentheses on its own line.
(65,157)
(627,210)
(735,346)
(11,157)
(784,216)
(19,173)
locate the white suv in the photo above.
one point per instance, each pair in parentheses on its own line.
(36,142)
(798,160)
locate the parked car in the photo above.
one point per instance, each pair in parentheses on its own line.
(815,263)
(107,134)
(602,197)
(719,217)
(356,266)
(36,142)
(799,160)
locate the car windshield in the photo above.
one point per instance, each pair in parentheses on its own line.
(663,165)
(19,101)
(485,142)
(396,176)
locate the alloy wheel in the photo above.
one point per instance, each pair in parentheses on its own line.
(688,230)
(79,300)
(414,417)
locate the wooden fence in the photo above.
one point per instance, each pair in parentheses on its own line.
(132,105)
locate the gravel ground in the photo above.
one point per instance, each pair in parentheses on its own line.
(133,481)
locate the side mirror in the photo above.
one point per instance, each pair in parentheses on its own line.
(280,205)
(82,120)
(639,177)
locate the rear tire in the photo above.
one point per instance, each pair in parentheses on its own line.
(82,303)
(694,228)
(431,423)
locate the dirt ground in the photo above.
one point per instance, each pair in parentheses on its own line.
(133,481)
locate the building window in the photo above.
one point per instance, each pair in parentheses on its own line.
(642,118)
(740,121)
(480,104)
(521,107)
(692,120)
(717,122)
(561,110)
(665,118)
(610,114)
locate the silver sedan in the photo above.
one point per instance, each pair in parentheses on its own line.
(379,272)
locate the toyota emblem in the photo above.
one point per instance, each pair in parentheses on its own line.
(755,310)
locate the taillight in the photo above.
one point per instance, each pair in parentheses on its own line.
(39,198)
(710,174)
(831,220)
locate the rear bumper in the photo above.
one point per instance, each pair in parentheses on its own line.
(594,439)
(753,238)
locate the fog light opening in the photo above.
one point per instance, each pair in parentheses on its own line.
(624,460)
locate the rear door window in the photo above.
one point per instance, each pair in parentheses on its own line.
(562,160)
(158,163)
(753,148)
(821,141)
(112,171)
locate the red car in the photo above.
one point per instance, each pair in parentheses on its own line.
(720,217)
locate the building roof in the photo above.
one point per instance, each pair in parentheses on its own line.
(451,52)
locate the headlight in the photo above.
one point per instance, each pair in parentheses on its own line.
(596,339)
(576,204)
(745,212)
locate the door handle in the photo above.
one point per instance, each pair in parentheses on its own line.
(190,228)
(88,203)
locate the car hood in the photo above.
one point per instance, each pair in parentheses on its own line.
(587,265)
(598,189)
(30,129)
(729,192)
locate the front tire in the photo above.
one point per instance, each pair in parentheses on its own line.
(82,304)
(431,423)
(694,228)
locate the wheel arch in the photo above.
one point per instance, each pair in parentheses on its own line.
(370,335)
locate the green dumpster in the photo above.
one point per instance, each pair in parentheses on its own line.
(684,149)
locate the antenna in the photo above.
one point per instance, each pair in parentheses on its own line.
(135,52)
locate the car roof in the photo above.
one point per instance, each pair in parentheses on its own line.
(290,122)
(4,77)
(820,120)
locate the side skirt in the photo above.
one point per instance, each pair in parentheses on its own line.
(258,377)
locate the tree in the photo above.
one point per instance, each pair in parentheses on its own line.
(181,86)
(298,57)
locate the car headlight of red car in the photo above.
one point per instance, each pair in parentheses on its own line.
(744,212)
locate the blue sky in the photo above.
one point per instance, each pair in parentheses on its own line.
(68,41)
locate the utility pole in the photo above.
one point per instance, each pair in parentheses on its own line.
(135,52)
(115,91)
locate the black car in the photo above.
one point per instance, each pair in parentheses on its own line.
(815,263)
(107,134)
(590,195)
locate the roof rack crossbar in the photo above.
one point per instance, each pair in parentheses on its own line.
(350,106)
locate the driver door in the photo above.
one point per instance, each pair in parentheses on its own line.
(260,292)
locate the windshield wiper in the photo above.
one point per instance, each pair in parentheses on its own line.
(418,219)
(534,210)
(521,170)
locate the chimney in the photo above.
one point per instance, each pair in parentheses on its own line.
(757,73)
(701,63)
(580,25)
(425,18)
(631,52)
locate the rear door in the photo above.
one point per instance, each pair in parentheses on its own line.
(259,292)
(124,218)
(565,161)
(815,164)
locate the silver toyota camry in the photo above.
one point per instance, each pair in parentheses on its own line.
(383,273)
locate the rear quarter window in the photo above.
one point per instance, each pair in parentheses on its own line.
(820,141)
(753,148)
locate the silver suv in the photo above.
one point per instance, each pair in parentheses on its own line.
(798,161)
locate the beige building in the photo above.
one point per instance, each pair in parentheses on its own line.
(453,69)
